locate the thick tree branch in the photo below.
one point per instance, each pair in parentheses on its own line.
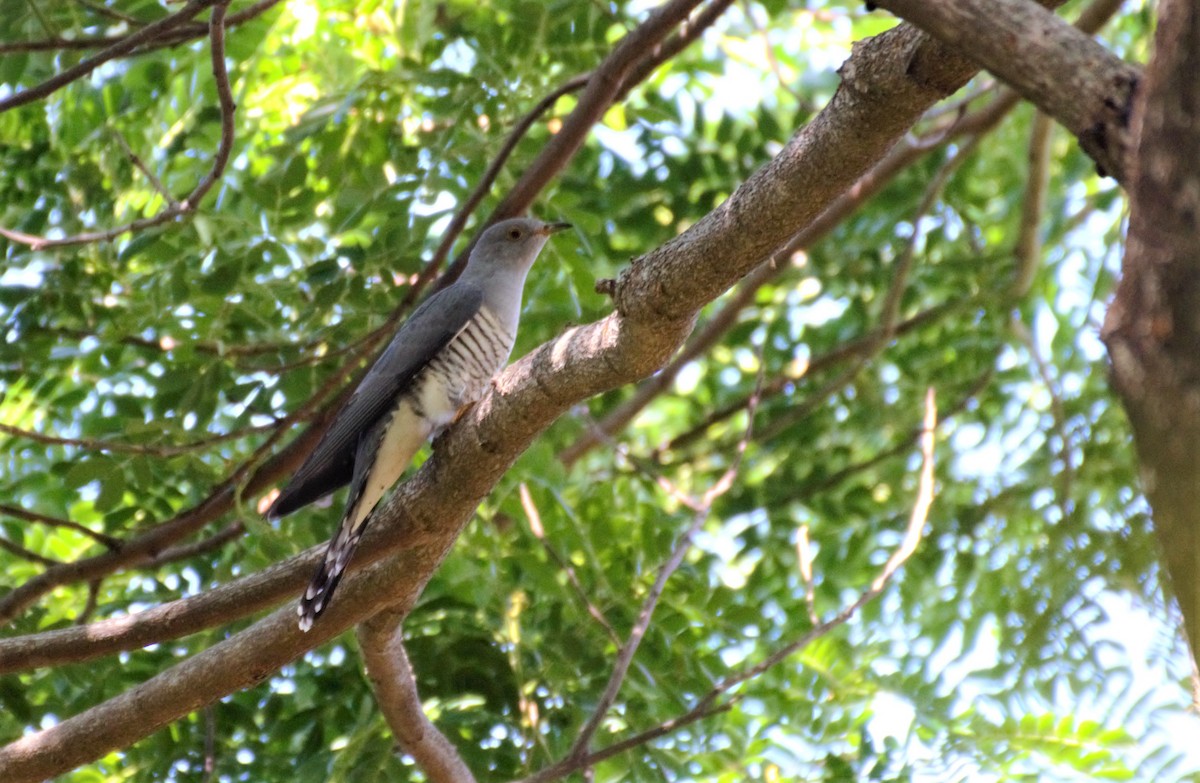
(1152,330)
(1065,73)
(974,124)
(381,640)
(888,83)
(217,606)
(1092,18)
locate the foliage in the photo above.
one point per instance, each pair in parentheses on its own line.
(1024,639)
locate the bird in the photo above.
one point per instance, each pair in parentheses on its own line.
(440,362)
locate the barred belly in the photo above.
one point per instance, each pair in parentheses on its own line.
(462,370)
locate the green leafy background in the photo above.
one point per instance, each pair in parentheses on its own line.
(1027,638)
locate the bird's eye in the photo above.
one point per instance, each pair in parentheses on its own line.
(514,233)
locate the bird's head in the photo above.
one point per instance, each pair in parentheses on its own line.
(511,246)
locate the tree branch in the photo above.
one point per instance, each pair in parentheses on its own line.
(1064,72)
(118,447)
(381,640)
(26,554)
(1028,250)
(1090,20)
(172,620)
(1151,329)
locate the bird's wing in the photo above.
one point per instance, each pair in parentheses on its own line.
(427,331)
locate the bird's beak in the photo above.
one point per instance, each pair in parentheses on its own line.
(554,228)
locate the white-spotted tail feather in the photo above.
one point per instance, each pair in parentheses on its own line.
(328,575)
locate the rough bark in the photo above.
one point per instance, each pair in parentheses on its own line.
(1063,71)
(1152,329)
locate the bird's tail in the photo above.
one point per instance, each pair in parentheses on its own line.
(329,573)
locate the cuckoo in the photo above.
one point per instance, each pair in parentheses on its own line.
(440,361)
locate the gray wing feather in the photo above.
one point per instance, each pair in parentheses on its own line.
(427,331)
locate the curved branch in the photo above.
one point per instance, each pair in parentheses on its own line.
(220,159)
(979,122)
(211,608)
(1064,72)
(381,640)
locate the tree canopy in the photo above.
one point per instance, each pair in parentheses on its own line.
(812,470)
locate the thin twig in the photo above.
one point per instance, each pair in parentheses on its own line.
(45,519)
(828,360)
(118,48)
(111,13)
(118,447)
(1058,411)
(14,548)
(173,36)
(89,606)
(196,548)
(920,509)
(151,177)
(173,210)
(539,532)
(708,704)
(1028,251)
(702,508)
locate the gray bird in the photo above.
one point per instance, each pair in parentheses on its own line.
(440,361)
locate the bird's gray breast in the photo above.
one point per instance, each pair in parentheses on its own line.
(461,371)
